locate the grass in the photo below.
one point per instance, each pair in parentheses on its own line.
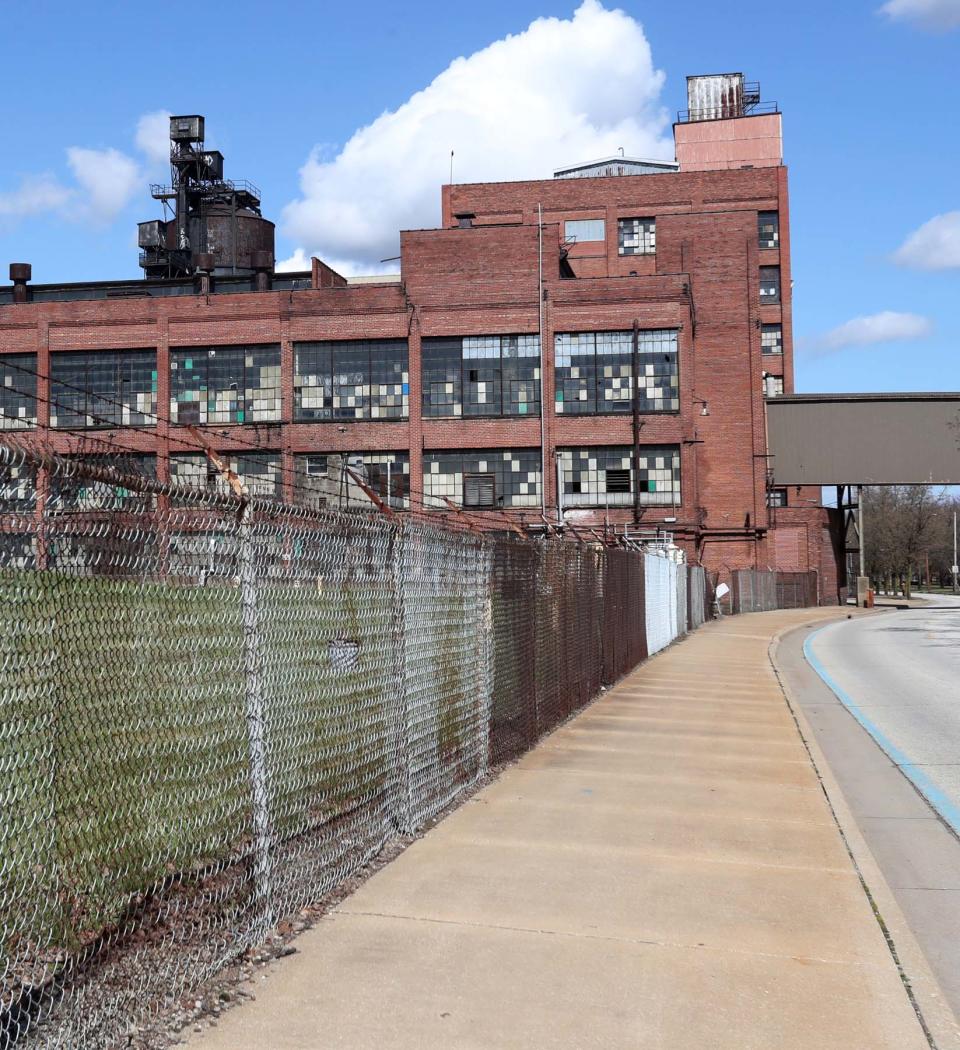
(123,733)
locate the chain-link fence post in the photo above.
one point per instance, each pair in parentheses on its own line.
(256,729)
(401,719)
(485,702)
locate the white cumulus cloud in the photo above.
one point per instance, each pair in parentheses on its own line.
(107,180)
(298,261)
(937,15)
(888,326)
(562,90)
(153,137)
(34,196)
(104,180)
(934,246)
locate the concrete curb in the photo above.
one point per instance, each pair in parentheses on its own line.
(936,1017)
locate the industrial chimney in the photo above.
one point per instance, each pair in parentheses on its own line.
(204,214)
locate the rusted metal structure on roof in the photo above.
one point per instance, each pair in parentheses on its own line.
(720,96)
(216,225)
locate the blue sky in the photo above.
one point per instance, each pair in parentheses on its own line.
(869,130)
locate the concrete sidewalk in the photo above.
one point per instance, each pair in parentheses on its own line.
(663,873)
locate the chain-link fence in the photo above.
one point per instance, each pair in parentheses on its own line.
(753,590)
(214,710)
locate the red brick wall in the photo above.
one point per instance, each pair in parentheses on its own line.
(485,280)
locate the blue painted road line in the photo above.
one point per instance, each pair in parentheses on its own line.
(934,796)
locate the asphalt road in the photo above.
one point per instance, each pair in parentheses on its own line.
(881,694)
(899,674)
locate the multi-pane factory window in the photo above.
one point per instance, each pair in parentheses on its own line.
(18,390)
(776,497)
(386,473)
(603,476)
(225,384)
(488,478)
(594,371)
(771,339)
(18,550)
(351,379)
(73,493)
(260,471)
(769,284)
(773,386)
(768,227)
(485,375)
(580,230)
(17,488)
(637,236)
(103,388)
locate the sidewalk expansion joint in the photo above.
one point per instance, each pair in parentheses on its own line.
(861,964)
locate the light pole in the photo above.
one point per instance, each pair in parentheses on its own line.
(863,585)
(955,568)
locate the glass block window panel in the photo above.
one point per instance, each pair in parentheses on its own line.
(768,227)
(103,388)
(515,475)
(74,494)
(489,375)
(580,230)
(769,284)
(18,390)
(771,339)
(387,474)
(777,498)
(225,384)
(594,372)
(602,476)
(351,379)
(260,471)
(637,236)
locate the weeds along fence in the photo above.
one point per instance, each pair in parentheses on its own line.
(213,711)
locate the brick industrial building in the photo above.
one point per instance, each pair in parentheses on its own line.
(533,295)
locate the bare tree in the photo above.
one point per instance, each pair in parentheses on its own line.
(907,535)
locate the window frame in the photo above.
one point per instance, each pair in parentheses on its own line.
(776,296)
(645,235)
(517,471)
(361,369)
(225,361)
(106,407)
(770,219)
(18,389)
(596,494)
(573,238)
(766,329)
(451,361)
(593,367)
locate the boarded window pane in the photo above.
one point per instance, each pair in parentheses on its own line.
(478,490)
